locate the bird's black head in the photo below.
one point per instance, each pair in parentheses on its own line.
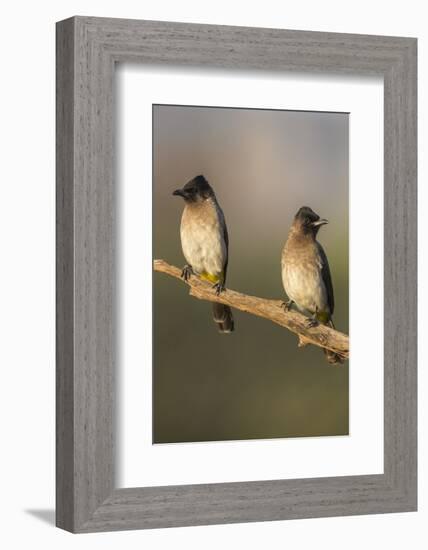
(308,221)
(196,190)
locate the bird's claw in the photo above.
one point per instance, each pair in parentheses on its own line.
(311,323)
(187,272)
(219,288)
(286,306)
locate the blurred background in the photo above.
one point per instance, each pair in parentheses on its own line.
(255,383)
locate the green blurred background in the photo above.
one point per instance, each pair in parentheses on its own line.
(256,382)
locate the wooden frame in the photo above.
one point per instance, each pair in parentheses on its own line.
(87,50)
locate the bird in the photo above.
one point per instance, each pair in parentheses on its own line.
(205,243)
(306,274)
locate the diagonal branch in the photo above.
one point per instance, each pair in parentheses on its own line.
(321,335)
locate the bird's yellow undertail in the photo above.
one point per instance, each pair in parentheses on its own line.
(323,316)
(210,277)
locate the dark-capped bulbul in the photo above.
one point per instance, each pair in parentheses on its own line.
(306,274)
(205,242)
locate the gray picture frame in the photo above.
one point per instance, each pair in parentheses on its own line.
(87,51)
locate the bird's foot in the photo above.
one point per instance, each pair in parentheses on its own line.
(187,272)
(311,323)
(286,306)
(219,288)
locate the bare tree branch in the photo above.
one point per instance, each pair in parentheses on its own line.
(320,335)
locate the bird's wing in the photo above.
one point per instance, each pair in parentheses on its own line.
(226,240)
(326,277)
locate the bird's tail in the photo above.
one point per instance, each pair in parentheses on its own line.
(223,317)
(332,357)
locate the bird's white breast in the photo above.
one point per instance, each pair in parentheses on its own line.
(202,238)
(302,279)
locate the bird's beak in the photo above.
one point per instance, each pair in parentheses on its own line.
(319,222)
(178,192)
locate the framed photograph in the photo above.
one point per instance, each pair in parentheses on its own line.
(235,206)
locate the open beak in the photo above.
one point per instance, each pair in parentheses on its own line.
(178,192)
(319,222)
